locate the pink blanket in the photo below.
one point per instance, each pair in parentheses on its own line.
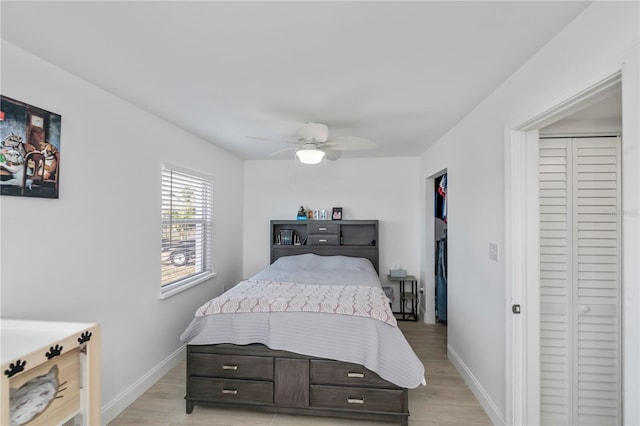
(269,296)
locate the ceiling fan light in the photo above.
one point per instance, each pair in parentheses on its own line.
(310,156)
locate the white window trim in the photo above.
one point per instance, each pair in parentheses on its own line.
(173,289)
(178,287)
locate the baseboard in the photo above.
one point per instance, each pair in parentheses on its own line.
(497,418)
(116,406)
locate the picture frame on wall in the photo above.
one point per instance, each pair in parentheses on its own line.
(336,213)
(29,150)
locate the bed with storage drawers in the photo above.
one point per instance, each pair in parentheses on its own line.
(310,335)
(281,381)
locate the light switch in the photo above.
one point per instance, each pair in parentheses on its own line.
(493,251)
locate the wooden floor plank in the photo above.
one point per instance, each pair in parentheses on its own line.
(445,401)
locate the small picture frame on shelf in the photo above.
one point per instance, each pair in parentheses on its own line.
(337,213)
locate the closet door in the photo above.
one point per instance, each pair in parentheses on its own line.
(597,238)
(579,281)
(556,277)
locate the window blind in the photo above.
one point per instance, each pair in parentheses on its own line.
(187,206)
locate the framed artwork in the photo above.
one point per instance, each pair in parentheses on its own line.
(337,213)
(29,150)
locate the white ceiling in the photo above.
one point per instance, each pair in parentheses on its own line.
(398,73)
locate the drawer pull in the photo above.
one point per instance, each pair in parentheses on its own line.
(353,375)
(322,229)
(229,367)
(323,241)
(230,391)
(355,400)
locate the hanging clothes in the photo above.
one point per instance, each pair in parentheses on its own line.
(441,280)
(442,190)
(441,198)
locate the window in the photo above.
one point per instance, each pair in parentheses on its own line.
(187,206)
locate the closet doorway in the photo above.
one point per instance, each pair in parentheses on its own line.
(580,267)
(533,394)
(435,290)
(440,247)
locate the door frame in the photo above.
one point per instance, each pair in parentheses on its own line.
(522,253)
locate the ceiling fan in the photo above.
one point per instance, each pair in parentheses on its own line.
(314,144)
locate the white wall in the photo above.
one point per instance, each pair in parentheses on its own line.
(93,254)
(584,127)
(384,188)
(599,42)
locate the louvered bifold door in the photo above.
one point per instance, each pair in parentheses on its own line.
(579,281)
(556,276)
(597,262)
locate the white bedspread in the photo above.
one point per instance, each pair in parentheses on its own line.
(276,296)
(375,344)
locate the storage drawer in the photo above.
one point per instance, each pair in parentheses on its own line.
(340,373)
(353,398)
(232,366)
(322,228)
(319,240)
(229,390)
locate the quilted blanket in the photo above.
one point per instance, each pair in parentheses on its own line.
(269,296)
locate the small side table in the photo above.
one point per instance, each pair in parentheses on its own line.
(407,294)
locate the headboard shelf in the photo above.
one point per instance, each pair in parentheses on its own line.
(355,238)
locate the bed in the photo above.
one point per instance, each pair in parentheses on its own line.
(309,334)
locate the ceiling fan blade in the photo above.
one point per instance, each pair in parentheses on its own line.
(332,155)
(272,139)
(349,143)
(281,152)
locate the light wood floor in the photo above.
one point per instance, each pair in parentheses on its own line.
(445,401)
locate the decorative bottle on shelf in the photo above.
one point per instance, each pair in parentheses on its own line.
(341,239)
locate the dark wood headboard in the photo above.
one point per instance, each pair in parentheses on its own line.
(355,238)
